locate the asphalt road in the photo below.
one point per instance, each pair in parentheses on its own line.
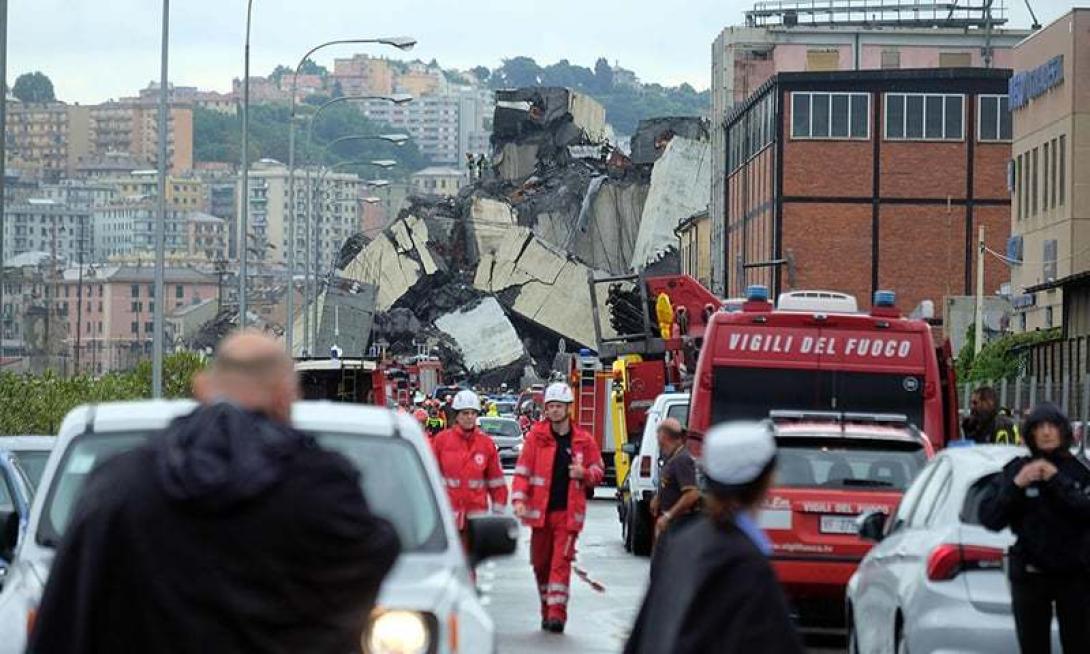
(598,623)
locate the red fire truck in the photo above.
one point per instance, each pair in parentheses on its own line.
(386,381)
(816,352)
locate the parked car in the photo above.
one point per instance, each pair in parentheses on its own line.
(641,484)
(430,590)
(16,496)
(935,580)
(507,435)
(32,452)
(832,467)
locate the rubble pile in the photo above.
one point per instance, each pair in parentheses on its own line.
(496,280)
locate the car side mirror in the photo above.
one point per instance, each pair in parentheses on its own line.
(492,535)
(631,449)
(872,526)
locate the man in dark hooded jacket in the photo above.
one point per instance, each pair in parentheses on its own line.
(1045,499)
(229,532)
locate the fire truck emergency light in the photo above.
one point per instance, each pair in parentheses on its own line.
(756,293)
(885,299)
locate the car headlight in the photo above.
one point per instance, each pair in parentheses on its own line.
(398,632)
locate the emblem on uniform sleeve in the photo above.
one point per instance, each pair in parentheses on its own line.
(478,458)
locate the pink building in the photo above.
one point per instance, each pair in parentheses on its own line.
(108,311)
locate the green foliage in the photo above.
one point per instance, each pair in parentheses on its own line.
(1002,358)
(278,73)
(217,137)
(311,68)
(36,404)
(33,87)
(625,105)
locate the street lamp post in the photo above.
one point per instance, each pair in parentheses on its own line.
(160,227)
(244,214)
(3,151)
(400,42)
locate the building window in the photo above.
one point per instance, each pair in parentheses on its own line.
(135,290)
(179,291)
(134,327)
(1033,185)
(1048,270)
(891,59)
(1018,185)
(147,327)
(1044,178)
(1048,317)
(1062,168)
(924,117)
(830,115)
(994,118)
(955,60)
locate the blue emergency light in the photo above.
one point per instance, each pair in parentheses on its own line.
(756,293)
(885,299)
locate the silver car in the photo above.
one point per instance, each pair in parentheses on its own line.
(428,603)
(934,582)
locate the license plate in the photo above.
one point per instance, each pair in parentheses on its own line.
(838,524)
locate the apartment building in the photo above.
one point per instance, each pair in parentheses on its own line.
(46,140)
(50,226)
(131,126)
(363,75)
(444,126)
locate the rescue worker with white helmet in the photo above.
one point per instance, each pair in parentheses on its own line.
(714,589)
(557,471)
(469,463)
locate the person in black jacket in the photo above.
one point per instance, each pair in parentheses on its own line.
(1045,499)
(228,532)
(986,423)
(714,589)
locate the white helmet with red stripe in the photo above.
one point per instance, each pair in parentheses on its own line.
(558,392)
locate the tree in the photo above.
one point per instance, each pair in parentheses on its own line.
(278,73)
(516,72)
(603,75)
(33,87)
(481,73)
(311,68)
(338,90)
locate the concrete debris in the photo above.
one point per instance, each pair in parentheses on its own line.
(679,188)
(346,315)
(496,278)
(652,135)
(484,335)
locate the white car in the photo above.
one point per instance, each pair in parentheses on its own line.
(637,526)
(428,603)
(935,582)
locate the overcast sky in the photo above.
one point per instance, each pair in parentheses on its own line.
(94,50)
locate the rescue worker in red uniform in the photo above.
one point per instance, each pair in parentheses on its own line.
(469,463)
(559,467)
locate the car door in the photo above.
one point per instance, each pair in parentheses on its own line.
(876,590)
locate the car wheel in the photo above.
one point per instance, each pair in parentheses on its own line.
(626,529)
(641,531)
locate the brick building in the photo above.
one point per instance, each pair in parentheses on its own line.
(861,180)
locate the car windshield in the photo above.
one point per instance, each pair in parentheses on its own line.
(394,483)
(838,463)
(33,464)
(505,408)
(750,393)
(503,428)
(679,412)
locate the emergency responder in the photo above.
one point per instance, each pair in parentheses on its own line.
(985,423)
(1045,500)
(493,409)
(469,463)
(422,417)
(525,421)
(559,466)
(230,531)
(435,422)
(715,590)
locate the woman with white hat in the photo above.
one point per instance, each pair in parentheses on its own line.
(715,590)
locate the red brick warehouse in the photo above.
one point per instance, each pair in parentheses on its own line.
(863,180)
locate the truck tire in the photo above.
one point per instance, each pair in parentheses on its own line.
(626,529)
(641,528)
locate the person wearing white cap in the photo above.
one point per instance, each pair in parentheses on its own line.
(714,590)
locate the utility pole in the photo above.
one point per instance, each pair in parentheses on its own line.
(979,319)
(79,299)
(3,153)
(244,215)
(160,225)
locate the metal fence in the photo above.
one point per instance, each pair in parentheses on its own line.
(1020,394)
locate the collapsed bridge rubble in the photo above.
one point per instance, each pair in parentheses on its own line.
(496,280)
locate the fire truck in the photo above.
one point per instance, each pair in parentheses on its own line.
(383,380)
(659,323)
(816,352)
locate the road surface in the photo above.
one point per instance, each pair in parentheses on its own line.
(598,623)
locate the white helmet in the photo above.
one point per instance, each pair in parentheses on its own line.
(558,392)
(466,401)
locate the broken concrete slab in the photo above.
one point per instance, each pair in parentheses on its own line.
(680,186)
(346,315)
(390,270)
(488,227)
(484,335)
(514,161)
(652,135)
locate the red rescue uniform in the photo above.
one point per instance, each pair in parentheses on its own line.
(470,466)
(552,544)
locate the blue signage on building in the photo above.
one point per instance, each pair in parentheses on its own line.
(1030,84)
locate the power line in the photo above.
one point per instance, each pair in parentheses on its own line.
(1022,262)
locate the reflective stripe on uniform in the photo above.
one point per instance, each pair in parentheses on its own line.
(452,482)
(522,470)
(532,513)
(554,600)
(475,483)
(518,495)
(562,588)
(537,481)
(498,482)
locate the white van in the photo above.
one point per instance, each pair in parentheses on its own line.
(637,525)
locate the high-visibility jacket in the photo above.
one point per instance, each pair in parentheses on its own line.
(470,466)
(534,474)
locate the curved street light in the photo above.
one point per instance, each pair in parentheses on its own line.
(403,43)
